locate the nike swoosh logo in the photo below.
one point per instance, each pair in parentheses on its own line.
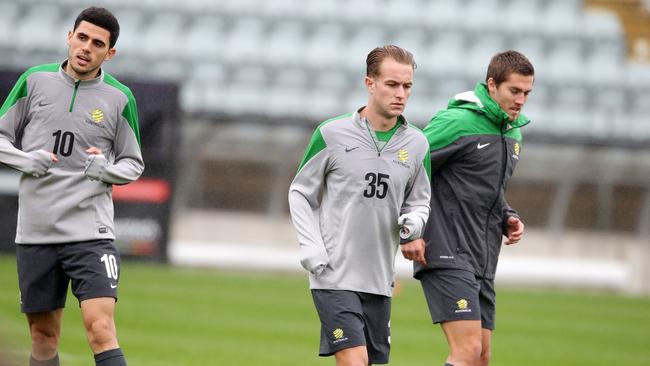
(43,104)
(479,146)
(113,286)
(348,149)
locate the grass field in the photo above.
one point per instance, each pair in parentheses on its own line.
(185,317)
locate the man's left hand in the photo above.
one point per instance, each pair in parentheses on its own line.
(414,251)
(514,230)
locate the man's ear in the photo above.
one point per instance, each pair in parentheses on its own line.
(370,83)
(492,86)
(110,54)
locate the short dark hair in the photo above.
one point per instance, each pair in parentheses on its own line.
(376,56)
(505,63)
(100,17)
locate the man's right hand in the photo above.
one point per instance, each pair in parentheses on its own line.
(41,162)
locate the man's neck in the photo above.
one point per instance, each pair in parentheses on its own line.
(377,121)
(86,76)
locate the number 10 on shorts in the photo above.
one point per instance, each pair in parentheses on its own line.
(111,265)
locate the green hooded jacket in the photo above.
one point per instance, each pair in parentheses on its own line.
(474,149)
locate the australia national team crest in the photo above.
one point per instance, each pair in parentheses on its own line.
(402,158)
(462,306)
(516,151)
(339,336)
(97,115)
(403,155)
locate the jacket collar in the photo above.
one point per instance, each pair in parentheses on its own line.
(361,121)
(480,101)
(82,83)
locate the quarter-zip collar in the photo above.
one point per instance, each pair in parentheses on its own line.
(361,122)
(80,83)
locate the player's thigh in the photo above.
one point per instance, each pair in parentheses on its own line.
(42,282)
(451,294)
(463,335)
(487,299)
(341,317)
(93,267)
(376,315)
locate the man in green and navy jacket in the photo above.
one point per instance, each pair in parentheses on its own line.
(475,145)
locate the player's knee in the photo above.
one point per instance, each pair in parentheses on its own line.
(100,331)
(44,336)
(469,352)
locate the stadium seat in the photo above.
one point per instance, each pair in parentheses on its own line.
(8,16)
(30,34)
(244,41)
(163,35)
(286,94)
(283,9)
(604,64)
(367,11)
(415,41)
(132,27)
(323,11)
(446,55)
(360,44)
(602,25)
(323,47)
(247,91)
(205,39)
(478,17)
(523,18)
(565,62)
(398,13)
(480,54)
(562,18)
(285,45)
(442,14)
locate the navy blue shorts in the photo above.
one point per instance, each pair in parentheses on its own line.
(44,272)
(456,294)
(351,319)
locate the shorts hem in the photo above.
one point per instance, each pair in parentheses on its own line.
(95,296)
(337,349)
(43,309)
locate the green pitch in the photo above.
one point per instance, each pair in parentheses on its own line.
(185,317)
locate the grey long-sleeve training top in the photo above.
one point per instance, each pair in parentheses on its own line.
(48,111)
(347,197)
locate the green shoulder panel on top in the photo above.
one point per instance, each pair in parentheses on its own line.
(451,124)
(20,88)
(130,112)
(427,160)
(317,143)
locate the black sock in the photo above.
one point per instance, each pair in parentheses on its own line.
(447,364)
(54,361)
(113,357)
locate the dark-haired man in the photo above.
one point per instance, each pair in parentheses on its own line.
(362,188)
(475,145)
(72,130)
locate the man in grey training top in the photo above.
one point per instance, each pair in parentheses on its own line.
(72,130)
(362,184)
